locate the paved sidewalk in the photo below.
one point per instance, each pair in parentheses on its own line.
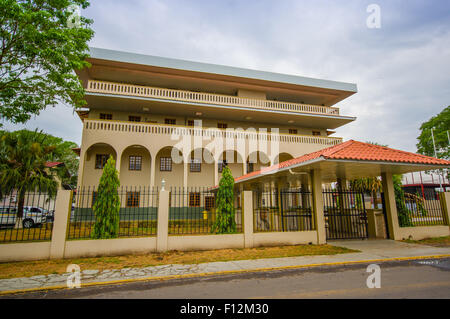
(370,250)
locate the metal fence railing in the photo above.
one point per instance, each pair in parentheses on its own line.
(345,214)
(26,218)
(414,210)
(193,210)
(138,212)
(282,211)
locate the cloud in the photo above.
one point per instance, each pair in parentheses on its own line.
(402,69)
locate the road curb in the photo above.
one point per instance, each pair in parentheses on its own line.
(225,272)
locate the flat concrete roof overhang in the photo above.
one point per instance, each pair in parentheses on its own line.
(136,104)
(126,67)
(332,169)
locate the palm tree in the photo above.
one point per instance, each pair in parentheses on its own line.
(370,185)
(23,158)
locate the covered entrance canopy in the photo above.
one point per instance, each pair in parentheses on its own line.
(347,161)
(333,213)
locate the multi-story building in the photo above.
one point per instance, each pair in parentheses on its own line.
(143,110)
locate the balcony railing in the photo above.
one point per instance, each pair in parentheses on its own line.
(95,86)
(152,128)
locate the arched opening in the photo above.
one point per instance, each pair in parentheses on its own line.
(256,161)
(94,161)
(233,160)
(201,168)
(135,167)
(169,166)
(282,157)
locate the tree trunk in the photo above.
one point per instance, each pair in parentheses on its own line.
(21,203)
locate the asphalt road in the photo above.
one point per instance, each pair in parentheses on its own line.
(410,279)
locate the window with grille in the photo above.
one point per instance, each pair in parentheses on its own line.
(195,165)
(316,133)
(105,116)
(100,160)
(222,125)
(190,123)
(135,163)
(165,164)
(209,202)
(194,199)
(170,121)
(292,131)
(250,167)
(133,118)
(133,199)
(221,165)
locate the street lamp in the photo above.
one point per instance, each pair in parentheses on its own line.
(435,155)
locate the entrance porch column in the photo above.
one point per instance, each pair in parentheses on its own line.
(391,208)
(317,198)
(216,173)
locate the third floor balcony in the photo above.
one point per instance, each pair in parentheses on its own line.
(121,89)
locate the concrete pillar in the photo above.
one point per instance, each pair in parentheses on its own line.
(391,208)
(162,234)
(216,173)
(185,173)
(152,171)
(317,198)
(81,166)
(63,207)
(445,204)
(247,208)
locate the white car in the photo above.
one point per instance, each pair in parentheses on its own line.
(32,216)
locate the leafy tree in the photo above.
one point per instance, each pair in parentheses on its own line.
(23,156)
(404,214)
(42,43)
(107,204)
(225,222)
(62,152)
(440,125)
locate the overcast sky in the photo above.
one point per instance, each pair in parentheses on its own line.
(402,69)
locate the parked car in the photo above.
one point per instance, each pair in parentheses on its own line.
(32,216)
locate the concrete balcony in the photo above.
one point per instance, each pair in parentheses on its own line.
(120,89)
(153,141)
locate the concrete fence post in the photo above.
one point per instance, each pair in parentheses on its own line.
(63,207)
(162,234)
(445,204)
(317,198)
(247,207)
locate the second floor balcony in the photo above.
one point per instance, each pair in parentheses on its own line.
(121,89)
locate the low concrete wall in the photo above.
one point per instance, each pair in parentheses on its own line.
(24,251)
(205,242)
(284,238)
(109,247)
(423,232)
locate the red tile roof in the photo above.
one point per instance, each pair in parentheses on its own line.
(53,164)
(354,150)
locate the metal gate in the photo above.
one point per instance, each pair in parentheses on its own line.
(345,214)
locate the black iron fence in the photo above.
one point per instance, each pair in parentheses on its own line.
(345,214)
(193,210)
(415,210)
(282,211)
(26,218)
(138,213)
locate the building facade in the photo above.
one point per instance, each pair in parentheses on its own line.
(181,121)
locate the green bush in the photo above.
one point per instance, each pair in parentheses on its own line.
(107,205)
(225,223)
